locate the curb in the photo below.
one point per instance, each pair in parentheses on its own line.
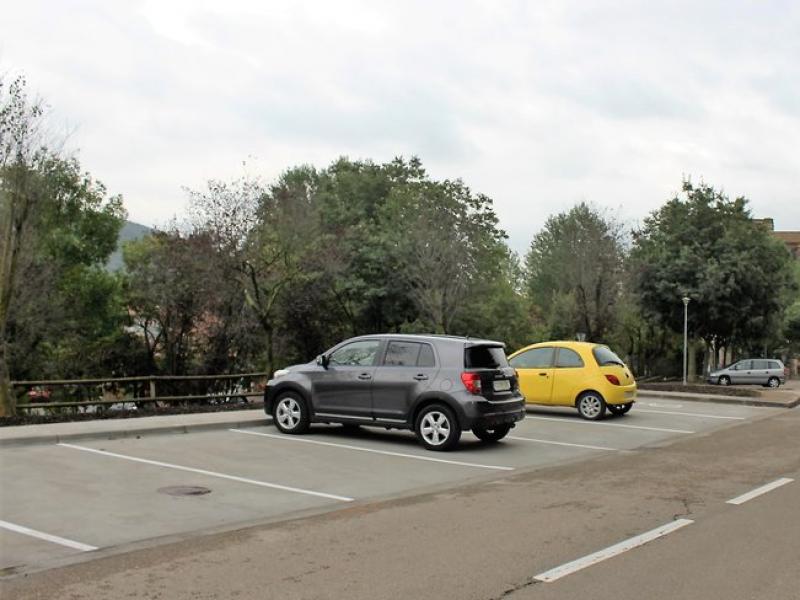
(54,438)
(735,400)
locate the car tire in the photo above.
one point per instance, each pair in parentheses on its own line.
(724,380)
(495,434)
(774,383)
(290,414)
(591,406)
(620,409)
(437,428)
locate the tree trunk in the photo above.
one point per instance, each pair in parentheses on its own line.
(270,352)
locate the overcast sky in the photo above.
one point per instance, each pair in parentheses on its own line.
(537,104)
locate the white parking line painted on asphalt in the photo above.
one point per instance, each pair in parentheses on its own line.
(760,490)
(525,439)
(579,421)
(47,537)
(611,551)
(157,463)
(687,414)
(288,438)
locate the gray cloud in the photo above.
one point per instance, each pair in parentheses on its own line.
(539,105)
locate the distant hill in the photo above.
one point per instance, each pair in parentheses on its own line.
(130,231)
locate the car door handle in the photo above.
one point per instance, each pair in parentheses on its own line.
(542,374)
(365,376)
(421,377)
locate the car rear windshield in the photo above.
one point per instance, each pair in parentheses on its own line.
(604,356)
(485,357)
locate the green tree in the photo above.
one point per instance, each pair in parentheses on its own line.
(259,234)
(57,227)
(705,245)
(575,271)
(352,257)
(791,322)
(442,240)
(173,292)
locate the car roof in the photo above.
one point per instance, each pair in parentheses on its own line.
(434,338)
(743,359)
(566,344)
(560,344)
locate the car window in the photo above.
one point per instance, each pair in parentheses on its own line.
(774,365)
(567,358)
(485,357)
(360,354)
(761,364)
(538,358)
(402,354)
(426,358)
(743,365)
(604,356)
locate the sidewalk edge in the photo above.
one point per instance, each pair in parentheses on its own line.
(743,401)
(35,440)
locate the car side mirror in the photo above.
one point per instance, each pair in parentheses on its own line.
(323,361)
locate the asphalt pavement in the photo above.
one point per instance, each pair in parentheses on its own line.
(393,524)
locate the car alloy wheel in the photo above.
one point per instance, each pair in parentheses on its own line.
(724,380)
(435,428)
(591,406)
(290,414)
(773,382)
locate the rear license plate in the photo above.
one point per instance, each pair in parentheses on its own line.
(502,385)
(629,395)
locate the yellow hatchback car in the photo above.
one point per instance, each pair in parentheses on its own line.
(588,376)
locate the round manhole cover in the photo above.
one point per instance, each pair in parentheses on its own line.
(184,490)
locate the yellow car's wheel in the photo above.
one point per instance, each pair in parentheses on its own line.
(591,406)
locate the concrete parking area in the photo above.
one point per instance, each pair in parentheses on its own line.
(70,501)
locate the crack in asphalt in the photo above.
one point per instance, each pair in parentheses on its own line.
(520,586)
(687,511)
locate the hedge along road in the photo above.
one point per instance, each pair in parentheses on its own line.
(73,501)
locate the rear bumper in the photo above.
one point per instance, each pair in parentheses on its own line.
(483,413)
(621,394)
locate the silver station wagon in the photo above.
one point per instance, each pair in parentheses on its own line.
(756,371)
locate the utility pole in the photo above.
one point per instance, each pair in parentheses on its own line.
(686,301)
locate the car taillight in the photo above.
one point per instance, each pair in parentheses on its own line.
(613,379)
(471,381)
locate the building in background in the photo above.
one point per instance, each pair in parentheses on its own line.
(790,238)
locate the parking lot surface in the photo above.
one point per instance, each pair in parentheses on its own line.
(67,502)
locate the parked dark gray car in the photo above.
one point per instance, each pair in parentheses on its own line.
(436,386)
(753,371)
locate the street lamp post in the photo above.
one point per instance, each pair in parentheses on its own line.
(686,300)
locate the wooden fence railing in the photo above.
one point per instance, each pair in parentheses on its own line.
(104,392)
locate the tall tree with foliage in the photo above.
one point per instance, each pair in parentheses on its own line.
(442,239)
(57,227)
(261,234)
(21,152)
(704,245)
(352,256)
(574,272)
